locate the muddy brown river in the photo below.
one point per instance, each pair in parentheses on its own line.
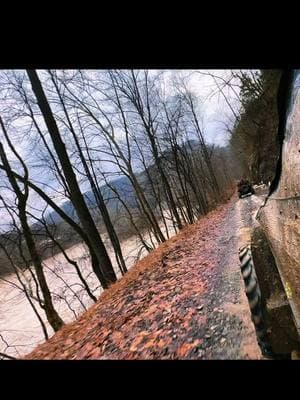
(230,332)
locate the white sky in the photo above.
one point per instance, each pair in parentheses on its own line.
(213,109)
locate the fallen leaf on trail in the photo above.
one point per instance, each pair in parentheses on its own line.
(186,347)
(152,308)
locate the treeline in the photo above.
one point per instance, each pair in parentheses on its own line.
(65,132)
(254,138)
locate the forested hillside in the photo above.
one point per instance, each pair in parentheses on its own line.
(100,168)
(254,135)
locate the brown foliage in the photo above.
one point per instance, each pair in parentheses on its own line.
(152,311)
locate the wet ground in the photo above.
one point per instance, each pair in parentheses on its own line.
(229,332)
(185,300)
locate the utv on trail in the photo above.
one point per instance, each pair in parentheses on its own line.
(270,263)
(244,188)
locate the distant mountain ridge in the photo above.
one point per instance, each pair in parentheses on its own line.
(122,185)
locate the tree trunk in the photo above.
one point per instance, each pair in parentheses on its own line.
(93,183)
(106,270)
(54,319)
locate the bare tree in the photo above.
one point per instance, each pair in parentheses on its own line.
(54,319)
(11,258)
(130,87)
(117,156)
(106,274)
(90,174)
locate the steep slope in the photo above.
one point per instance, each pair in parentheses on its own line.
(170,304)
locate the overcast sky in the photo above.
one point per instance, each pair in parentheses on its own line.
(213,108)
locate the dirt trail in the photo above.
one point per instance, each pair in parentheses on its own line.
(233,334)
(183,301)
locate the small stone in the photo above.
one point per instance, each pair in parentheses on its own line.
(213,327)
(200,308)
(215,309)
(222,340)
(207,336)
(201,353)
(174,336)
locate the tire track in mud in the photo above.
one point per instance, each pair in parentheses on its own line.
(230,333)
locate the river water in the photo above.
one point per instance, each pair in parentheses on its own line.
(20,330)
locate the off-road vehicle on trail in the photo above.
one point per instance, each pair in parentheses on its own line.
(270,263)
(244,188)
